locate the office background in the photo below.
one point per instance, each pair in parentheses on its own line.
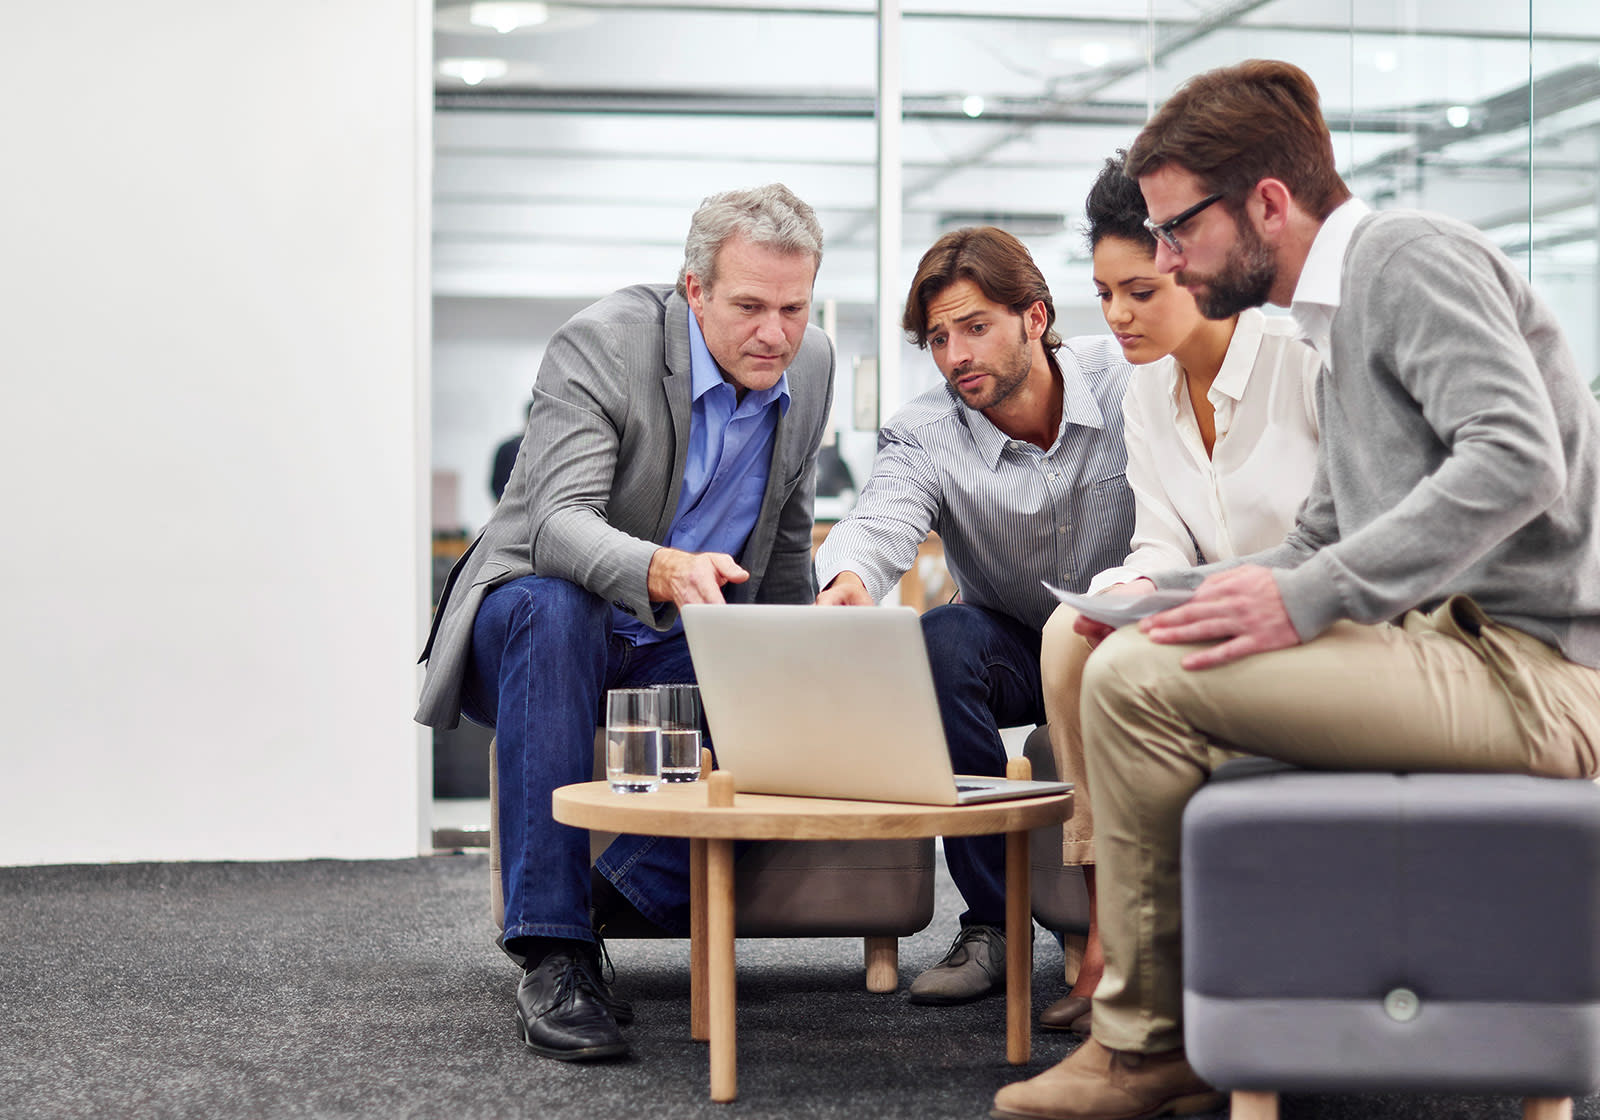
(266,269)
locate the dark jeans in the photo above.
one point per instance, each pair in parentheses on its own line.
(543,656)
(986,674)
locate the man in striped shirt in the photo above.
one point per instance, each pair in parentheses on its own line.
(1017,462)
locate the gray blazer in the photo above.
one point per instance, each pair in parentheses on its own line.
(598,478)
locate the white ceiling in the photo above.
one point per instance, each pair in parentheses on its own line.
(577,171)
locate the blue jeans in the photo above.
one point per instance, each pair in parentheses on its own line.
(986,674)
(543,656)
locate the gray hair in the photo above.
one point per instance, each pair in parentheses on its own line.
(771,216)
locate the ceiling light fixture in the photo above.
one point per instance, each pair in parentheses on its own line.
(1092,52)
(1095,54)
(1459,116)
(972,105)
(506,16)
(473,70)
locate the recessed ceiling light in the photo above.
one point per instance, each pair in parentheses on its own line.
(506,16)
(473,70)
(1459,116)
(1093,52)
(509,17)
(972,105)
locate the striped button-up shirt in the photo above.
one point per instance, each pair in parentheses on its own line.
(1010,515)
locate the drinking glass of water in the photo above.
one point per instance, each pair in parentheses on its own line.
(679,708)
(633,740)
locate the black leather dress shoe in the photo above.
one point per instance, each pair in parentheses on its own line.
(563,1012)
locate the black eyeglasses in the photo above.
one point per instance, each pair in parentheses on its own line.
(1162,231)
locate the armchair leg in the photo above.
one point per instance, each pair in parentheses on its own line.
(1254,1106)
(1073,948)
(883,964)
(1547,1108)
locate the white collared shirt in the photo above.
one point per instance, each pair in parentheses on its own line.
(1192,507)
(1316,296)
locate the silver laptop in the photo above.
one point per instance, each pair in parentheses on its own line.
(829,702)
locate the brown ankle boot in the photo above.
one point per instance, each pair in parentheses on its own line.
(1096,1083)
(1069,1013)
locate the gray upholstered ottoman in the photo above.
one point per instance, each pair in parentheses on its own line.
(1375,931)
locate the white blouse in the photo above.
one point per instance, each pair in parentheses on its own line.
(1192,508)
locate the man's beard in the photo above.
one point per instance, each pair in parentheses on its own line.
(1245,279)
(1004,380)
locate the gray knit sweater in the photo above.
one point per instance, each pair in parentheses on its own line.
(1460,448)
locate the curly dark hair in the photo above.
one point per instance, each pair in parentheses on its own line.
(1115,208)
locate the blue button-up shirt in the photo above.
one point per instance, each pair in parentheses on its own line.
(725,472)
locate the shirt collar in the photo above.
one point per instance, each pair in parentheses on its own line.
(1316,296)
(1240,358)
(1078,406)
(705,375)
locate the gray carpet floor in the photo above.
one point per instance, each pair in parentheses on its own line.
(332,989)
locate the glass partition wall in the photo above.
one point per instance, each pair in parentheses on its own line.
(574,140)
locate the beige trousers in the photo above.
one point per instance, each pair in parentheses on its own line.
(1062,652)
(1441,691)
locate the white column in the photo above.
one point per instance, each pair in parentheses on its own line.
(213,336)
(891,291)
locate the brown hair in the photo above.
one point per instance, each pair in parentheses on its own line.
(1234,126)
(991,258)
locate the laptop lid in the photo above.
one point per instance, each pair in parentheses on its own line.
(827,702)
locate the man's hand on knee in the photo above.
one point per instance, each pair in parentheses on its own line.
(682,577)
(1240,609)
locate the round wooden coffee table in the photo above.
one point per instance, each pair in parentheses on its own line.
(712,815)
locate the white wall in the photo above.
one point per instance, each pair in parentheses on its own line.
(213,439)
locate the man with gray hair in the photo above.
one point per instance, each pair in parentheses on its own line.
(670,458)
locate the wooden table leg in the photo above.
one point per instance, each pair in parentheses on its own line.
(699,997)
(883,963)
(719,946)
(1245,1105)
(1019,952)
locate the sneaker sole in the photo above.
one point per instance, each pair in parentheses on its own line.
(934,1000)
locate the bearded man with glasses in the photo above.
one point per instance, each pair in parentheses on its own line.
(1436,605)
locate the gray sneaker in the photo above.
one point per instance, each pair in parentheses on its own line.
(974,967)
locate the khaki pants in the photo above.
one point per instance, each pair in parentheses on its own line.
(1444,690)
(1062,652)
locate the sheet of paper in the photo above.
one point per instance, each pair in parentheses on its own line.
(1119,610)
